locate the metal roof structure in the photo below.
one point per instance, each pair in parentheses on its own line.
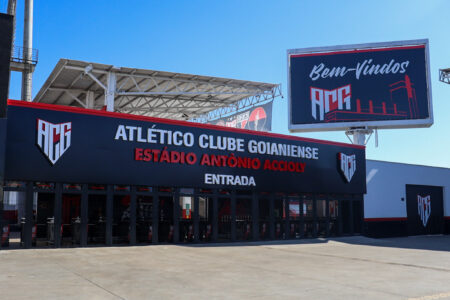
(151,93)
(444,75)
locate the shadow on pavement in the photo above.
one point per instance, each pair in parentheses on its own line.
(424,242)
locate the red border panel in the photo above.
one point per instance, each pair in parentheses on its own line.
(384,219)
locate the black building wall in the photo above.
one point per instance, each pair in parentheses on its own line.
(6,22)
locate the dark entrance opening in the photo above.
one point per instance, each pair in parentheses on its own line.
(187,208)
(144,219)
(347,220)
(308,216)
(243,219)
(225,218)
(334,217)
(166,225)
(13,211)
(44,219)
(280,217)
(425,209)
(96,219)
(357,216)
(71,219)
(322,216)
(294,217)
(205,213)
(121,219)
(264,217)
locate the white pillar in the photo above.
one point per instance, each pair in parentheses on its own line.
(110,91)
(27,74)
(359,137)
(90,99)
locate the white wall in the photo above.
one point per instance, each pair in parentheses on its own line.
(386,185)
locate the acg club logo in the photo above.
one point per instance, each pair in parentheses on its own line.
(424,207)
(53,139)
(347,165)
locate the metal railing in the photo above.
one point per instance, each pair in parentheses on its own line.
(24,55)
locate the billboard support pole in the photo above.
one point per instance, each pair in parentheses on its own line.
(359,135)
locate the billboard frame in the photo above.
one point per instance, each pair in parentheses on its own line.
(387,124)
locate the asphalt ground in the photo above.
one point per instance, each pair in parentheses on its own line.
(341,268)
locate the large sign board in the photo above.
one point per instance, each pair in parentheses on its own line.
(257,118)
(380,85)
(53,143)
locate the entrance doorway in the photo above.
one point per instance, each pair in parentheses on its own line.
(96,219)
(225,218)
(166,226)
(425,210)
(71,220)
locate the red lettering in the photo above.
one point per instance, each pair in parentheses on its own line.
(267,165)
(275,165)
(215,160)
(147,154)
(205,160)
(191,158)
(155,154)
(256,163)
(138,154)
(175,157)
(291,166)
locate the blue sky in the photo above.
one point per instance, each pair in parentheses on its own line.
(246,40)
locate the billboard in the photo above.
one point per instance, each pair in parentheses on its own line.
(257,118)
(73,145)
(380,85)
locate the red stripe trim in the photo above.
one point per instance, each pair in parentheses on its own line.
(117,115)
(446,217)
(384,219)
(358,51)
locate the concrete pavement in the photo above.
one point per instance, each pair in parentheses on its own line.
(341,268)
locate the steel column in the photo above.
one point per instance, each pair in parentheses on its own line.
(84,216)
(57,215)
(255,217)
(155,214)
(287,229)
(29,220)
(340,220)
(233,215)
(196,217)
(327,222)
(109,214)
(352,226)
(176,216)
(315,224)
(215,216)
(272,216)
(132,225)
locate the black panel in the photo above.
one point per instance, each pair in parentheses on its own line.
(95,156)
(425,209)
(2,147)
(447,225)
(380,229)
(6,22)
